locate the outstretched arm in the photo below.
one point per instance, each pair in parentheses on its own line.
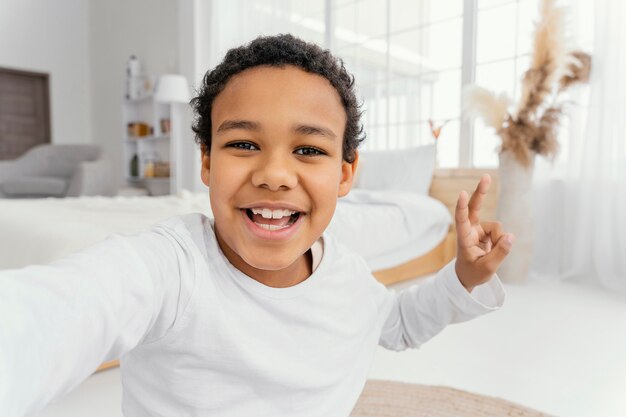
(60,321)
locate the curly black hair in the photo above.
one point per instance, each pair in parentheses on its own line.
(280,50)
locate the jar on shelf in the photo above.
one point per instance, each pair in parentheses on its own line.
(162,169)
(138,84)
(133,78)
(148,169)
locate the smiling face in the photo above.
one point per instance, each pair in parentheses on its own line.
(275,169)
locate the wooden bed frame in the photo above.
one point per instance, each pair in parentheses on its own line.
(445,187)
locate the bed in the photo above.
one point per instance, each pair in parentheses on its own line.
(388,217)
(398,217)
(387,228)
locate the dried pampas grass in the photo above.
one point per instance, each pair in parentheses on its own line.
(533,127)
(478,101)
(548,58)
(578,70)
(546,142)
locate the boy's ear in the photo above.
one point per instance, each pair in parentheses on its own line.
(205,159)
(347,175)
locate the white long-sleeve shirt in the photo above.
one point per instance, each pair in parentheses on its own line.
(197,337)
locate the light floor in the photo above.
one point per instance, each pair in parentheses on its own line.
(556,347)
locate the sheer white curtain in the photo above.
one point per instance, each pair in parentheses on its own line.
(580,212)
(231,23)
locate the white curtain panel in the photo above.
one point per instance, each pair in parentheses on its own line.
(232,23)
(580,203)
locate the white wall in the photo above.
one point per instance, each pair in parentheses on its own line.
(84,45)
(53,37)
(188,24)
(196,21)
(145,28)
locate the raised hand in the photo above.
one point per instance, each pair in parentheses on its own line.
(481,247)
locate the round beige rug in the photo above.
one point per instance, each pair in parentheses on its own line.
(399,399)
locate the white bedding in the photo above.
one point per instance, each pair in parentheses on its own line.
(386,228)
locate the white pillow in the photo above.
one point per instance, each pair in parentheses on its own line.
(408,169)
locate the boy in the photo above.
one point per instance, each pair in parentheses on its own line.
(259,312)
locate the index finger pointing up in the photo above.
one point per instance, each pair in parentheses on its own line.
(476,201)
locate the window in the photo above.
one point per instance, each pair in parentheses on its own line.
(409,58)
(406,58)
(503,48)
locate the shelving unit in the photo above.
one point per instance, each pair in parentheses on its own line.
(153,149)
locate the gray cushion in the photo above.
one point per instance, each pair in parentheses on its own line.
(59,160)
(34,187)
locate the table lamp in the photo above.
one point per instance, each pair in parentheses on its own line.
(174,90)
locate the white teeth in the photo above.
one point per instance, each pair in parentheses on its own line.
(270,227)
(272,214)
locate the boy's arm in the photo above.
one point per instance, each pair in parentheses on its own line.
(465,288)
(418,313)
(60,321)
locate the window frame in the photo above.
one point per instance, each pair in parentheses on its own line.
(468,65)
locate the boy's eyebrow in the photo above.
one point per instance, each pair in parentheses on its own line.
(238,124)
(301,129)
(315,130)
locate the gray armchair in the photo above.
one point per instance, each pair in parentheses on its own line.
(55,171)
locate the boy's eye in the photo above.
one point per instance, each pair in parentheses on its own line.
(309,151)
(247,146)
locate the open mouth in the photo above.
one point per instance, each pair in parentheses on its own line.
(273,219)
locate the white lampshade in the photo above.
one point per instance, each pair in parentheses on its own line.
(172,88)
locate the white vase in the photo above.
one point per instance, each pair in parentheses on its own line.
(515,213)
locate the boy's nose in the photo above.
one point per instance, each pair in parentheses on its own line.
(275,173)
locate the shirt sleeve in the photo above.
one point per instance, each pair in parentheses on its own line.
(59,322)
(421,311)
